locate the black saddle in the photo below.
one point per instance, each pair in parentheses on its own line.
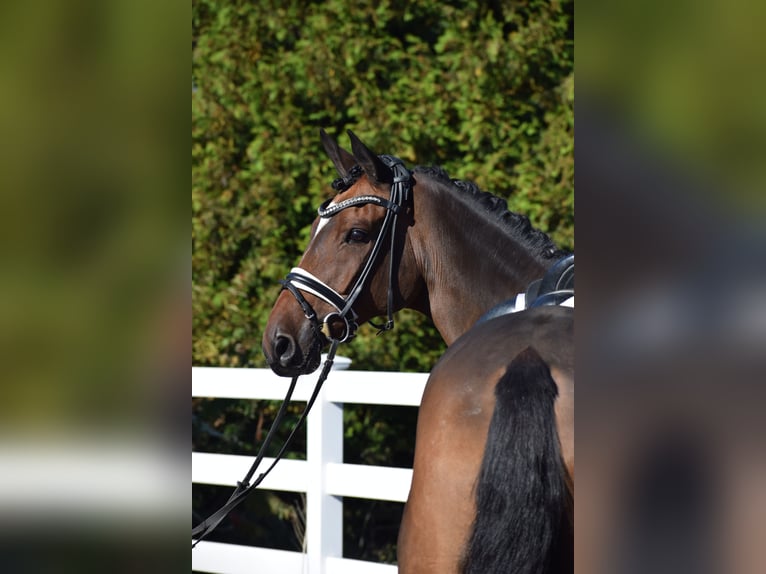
(555,287)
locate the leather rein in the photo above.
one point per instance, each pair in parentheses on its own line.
(299,280)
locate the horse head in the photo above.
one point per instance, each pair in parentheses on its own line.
(357,265)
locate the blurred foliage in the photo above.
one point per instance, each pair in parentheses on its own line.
(93,249)
(681,79)
(484,89)
(94,287)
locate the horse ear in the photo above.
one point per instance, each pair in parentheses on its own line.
(375,169)
(341,159)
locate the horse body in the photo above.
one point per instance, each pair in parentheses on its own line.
(455,252)
(453,423)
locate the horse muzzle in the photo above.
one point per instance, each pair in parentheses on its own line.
(289,356)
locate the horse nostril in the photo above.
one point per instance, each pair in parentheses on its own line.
(284,349)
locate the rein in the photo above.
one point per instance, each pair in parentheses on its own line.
(244,487)
(299,280)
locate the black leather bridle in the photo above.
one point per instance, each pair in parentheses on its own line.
(299,280)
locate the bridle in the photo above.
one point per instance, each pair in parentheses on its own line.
(299,280)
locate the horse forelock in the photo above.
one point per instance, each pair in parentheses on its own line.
(341,184)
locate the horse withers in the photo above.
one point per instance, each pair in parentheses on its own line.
(492,485)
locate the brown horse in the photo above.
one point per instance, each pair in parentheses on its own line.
(492,485)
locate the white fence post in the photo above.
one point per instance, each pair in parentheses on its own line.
(324,512)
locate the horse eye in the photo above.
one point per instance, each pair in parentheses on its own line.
(357,236)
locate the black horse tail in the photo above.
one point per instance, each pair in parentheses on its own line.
(524,506)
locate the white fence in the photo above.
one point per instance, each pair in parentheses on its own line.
(322,476)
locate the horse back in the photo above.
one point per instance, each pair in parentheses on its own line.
(454,422)
(465,377)
(523,502)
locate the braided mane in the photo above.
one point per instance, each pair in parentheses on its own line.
(494,207)
(497,208)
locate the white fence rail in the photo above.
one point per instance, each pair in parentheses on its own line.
(322,476)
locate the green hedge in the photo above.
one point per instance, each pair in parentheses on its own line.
(484,89)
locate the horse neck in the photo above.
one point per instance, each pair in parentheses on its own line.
(469,262)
